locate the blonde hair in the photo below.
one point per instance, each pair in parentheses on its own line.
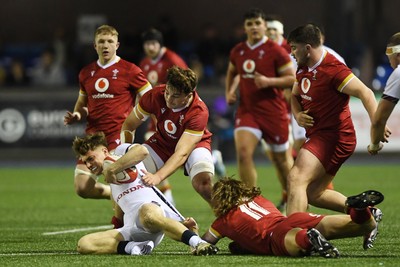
(106,29)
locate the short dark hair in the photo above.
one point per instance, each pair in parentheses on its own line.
(306,34)
(183,80)
(253,13)
(153,34)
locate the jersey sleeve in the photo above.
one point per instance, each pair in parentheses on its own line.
(283,60)
(138,80)
(215,228)
(342,76)
(392,88)
(150,102)
(197,122)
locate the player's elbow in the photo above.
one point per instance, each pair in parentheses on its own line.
(143,151)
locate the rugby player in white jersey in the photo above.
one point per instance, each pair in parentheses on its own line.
(148,216)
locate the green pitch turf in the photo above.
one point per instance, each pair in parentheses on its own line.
(42,219)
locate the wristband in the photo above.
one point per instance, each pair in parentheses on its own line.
(77,114)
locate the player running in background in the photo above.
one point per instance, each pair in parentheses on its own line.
(182,138)
(147,214)
(263,68)
(256,226)
(109,88)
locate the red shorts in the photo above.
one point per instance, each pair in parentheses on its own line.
(302,220)
(275,129)
(331,148)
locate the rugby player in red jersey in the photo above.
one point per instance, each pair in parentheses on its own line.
(182,138)
(109,88)
(264,68)
(257,227)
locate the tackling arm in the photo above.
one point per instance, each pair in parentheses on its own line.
(183,148)
(131,123)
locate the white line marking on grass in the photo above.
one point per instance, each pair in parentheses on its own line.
(38,254)
(76,253)
(79,230)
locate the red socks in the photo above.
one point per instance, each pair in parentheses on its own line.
(302,240)
(359,216)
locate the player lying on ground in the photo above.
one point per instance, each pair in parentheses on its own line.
(147,214)
(256,226)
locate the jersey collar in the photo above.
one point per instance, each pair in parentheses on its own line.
(112,62)
(319,61)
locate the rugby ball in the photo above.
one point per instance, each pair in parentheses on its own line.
(126,176)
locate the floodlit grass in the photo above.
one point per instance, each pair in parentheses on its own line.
(36,203)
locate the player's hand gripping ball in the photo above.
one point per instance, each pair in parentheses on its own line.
(126,176)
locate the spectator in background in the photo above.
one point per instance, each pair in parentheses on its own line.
(49,70)
(16,74)
(390,98)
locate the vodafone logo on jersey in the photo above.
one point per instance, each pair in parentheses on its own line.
(153,77)
(102,85)
(170,127)
(305,85)
(249,66)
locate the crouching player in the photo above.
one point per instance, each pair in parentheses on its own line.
(257,227)
(147,214)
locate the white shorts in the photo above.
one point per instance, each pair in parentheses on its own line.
(133,230)
(200,154)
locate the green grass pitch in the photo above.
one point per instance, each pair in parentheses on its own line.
(42,219)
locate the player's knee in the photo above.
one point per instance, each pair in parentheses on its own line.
(244,155)
(83,246)
(150,216)
(296,176)
(202,183)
